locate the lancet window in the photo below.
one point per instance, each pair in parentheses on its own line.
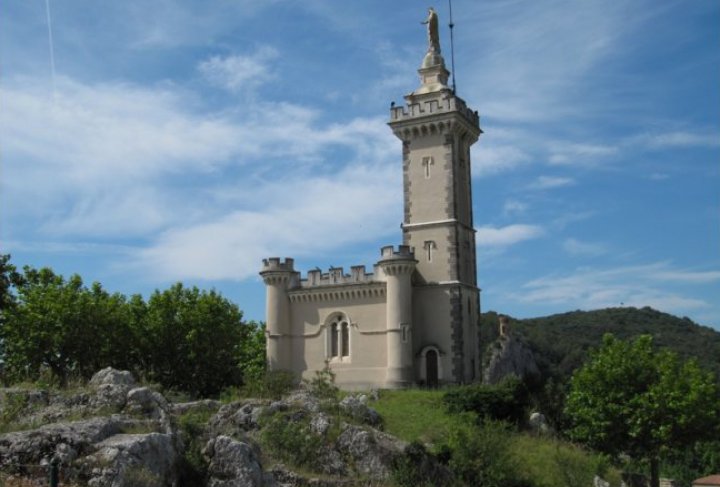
(339,337)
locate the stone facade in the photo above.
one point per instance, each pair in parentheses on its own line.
(415,318)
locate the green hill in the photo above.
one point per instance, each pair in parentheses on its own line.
(561,342)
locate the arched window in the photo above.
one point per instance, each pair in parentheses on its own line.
(334,340)
(345,339)
(338,337)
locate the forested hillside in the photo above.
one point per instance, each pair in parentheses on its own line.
(561,342)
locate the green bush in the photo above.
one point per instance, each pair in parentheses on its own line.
(193,466)
(416,468)
(506,401)
(288,437)
(323,385)
(273,384)
(481,455)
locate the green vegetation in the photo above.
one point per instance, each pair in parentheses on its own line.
(193,465)
(507,401)
(289,438)
(183,338)
(561,342)
(631,399)
(415,415)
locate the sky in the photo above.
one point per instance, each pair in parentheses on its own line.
(144,143)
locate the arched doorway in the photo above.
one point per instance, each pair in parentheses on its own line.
(431,368)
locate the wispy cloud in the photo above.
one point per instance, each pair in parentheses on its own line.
(514,207)
(589,288)
(550,182)
(678,139)
(240,72)
(508,235)
(576,247)
(580,154)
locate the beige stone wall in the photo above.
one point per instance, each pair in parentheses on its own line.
(365,366)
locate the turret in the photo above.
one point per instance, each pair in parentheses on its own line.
(398,266)
(279,276)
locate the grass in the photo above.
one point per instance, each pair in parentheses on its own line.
(550,462)
(420,415)
(415,415)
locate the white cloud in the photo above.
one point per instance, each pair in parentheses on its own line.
(576,247)
(235,73)
(118,159)
(574,154)
(505,236)
(299,217)
(679,139)
(589,288)
(697,277)
(550,182)
(512,207)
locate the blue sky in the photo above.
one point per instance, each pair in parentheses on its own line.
(186,140)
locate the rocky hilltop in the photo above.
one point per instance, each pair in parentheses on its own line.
(117,433)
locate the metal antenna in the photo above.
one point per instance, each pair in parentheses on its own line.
(452,47)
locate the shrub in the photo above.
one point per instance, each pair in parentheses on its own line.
(193,466)
(323,385)
(481,455)
(289,438)
(505,401)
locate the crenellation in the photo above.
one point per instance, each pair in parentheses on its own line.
(336,276)
(276,264)
(414,109)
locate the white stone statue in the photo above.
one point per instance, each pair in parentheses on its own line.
(432,29)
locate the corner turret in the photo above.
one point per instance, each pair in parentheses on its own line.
(279,276)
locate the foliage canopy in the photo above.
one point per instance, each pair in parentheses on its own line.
(629,398)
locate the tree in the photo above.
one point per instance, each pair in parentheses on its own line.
(193,339)
(629,398)
(63,326)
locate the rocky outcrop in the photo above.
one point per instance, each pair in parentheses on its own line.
(508,356)
(117,433)
(233,463)
(128,460)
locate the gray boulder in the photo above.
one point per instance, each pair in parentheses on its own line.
(68,440)
(132,460)
(233,463)
(111,388)
(356,407)
(371,452)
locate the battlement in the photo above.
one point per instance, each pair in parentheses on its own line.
(275,264)
(336,276)
(403,252)
(433,106)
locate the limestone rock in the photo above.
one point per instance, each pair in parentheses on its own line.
(538,423)
(203,404)
(130,460)
(237,417)
(233,463)
(509,356)
(371,452)
(111,387)
(356,406)
(66,439)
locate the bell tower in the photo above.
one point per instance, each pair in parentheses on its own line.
(437,129)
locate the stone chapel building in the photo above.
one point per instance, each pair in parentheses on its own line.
(415,318)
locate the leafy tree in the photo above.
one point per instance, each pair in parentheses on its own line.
(192,339)
(252,352)
(632,399)
(61,325)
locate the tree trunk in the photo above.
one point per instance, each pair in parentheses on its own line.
(654,472)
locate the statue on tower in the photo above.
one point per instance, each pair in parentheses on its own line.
(432,29)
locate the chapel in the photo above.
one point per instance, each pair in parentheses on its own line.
(413,320)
